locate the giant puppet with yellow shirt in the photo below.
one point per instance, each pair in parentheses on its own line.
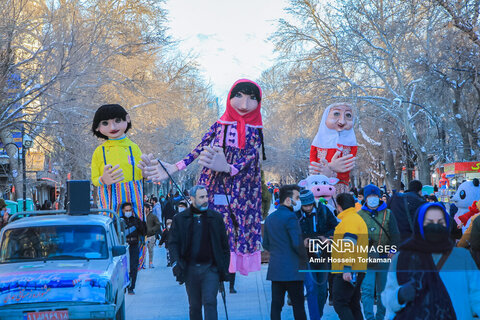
(114,170)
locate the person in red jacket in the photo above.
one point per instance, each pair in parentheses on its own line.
(334,148)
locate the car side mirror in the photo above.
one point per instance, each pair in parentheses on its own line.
(118,250)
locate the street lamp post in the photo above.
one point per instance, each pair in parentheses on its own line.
(24,167)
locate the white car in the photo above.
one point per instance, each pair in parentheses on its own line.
(63,267)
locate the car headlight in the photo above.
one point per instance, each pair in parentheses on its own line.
(109,292)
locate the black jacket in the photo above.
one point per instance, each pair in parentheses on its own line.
(325,223)
(179,242)
(405,219)
(135,228)
(168,211)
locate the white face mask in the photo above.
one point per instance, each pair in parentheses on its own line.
(181,209)
(297,206)
(128,214)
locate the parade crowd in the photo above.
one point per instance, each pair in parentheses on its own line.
(428,275)
(427,272)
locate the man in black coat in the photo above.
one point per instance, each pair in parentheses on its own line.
(135,228)
(199,249)
(404,207)
(283,239)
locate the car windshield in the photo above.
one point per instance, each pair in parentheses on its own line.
(53,243)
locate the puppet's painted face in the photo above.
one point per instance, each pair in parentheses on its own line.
(113,128)
(340,118)
(244,103)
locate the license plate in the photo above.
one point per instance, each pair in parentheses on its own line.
(47,315)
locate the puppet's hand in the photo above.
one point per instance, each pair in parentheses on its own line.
(342,164)
(148,160)
(152,170)
(110,176)
(314,168)
(321,168)
(214,159)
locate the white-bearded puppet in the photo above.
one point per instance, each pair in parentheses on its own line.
(334,148)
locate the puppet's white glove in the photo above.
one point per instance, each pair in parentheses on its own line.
(111,175)
(152,170)
(214,159)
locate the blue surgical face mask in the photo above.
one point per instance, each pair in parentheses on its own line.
(373,201)
(297,206)
(128,214)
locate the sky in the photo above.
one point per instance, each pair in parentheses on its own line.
(228,37)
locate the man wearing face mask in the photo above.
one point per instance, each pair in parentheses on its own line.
(316,222)
(283,240)
(382,234)
(199,249)
(429,278)
(134,229)
(182,206)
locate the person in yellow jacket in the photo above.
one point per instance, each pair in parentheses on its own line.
(349,261)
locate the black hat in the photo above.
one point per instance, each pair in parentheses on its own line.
(415,186)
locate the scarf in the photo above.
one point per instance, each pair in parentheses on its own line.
(330,139)
(231,116)
(415,261)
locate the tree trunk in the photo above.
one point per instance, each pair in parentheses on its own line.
(461,123)
(14,158)
(423,166)
(422,162)
(390,172)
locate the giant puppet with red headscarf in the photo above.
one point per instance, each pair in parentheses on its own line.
(334,147)
(229,152)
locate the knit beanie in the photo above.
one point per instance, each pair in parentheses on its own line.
(371,189)
(306,197)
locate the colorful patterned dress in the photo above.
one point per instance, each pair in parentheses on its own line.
(243,186)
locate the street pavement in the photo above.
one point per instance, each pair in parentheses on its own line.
(159,296)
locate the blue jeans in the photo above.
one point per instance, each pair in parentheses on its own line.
(316,286)
(373,279)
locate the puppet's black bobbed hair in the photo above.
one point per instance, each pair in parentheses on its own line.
(107,112)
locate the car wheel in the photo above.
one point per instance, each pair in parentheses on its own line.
(121,312)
